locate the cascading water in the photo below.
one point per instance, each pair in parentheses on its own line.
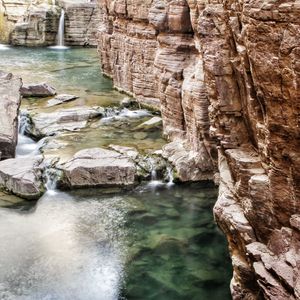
(170,177)
(26,146)
(61,29)
(60,38)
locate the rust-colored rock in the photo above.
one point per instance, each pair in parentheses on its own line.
(226,76)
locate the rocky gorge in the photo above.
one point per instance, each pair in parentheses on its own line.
(225,75)
(219,80)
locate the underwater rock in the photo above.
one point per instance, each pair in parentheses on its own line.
(10,99)
(37,90)
(97,167)
(22,176)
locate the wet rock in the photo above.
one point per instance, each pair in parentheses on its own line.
(97,167)
(189,165)
(45,124)
(22,177)
(152,124)
(37,90)
(9,107)
(59,99)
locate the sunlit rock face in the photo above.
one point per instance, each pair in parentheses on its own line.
(35,23)
(225,75)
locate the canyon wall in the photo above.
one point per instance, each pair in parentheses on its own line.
(226,76)
(35,23)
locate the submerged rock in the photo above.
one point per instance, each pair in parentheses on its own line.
(97,167)
(62,98)
(9,106)
(22,176)
(37,90)
(45,124)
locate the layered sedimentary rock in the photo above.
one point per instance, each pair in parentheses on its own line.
(81,24)
(226,77)
(10,99)
(35,23)
(37,27)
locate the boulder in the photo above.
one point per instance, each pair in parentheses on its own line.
(97,167)
(46,124)
(59,99)
(9,106)
(22,176)
(37,90)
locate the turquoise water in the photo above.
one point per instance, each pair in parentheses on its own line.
(112,244)
(106,244)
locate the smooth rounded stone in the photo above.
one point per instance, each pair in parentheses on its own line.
(45,124)
(10,100)
(151,124)
(163,243)
(22,176)
(9,199)
(37,90)
(62,98)
(97,167)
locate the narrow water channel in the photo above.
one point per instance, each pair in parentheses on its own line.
(151,242)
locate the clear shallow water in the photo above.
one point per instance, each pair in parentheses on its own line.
(76,71)
(108,244)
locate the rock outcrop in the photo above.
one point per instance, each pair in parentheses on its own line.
(10,100)
(97,167)
(69,119)
(22,176)
(225,75)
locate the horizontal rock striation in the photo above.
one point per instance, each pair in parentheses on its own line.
(10,99)
(225,75)
(27,23)
(81,24)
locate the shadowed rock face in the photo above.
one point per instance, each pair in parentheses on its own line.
(10,99)
(226,77)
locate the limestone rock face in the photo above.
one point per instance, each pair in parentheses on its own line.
(37,27)
(225,75)
(22,177)
(81,24)
(35,23)
(10,99)
(98,167)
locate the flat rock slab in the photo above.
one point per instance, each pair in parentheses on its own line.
(98,167)
(152,123)
(22,176)
(46,124)
(10,99)
(62,98)
(37,90)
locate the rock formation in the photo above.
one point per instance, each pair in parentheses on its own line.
(225,75)
(10,99)
(35,23)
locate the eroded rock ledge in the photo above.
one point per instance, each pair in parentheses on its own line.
(225,75)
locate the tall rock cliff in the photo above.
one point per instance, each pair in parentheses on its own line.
(226,76)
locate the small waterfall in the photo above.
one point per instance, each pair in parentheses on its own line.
(170,176)
(154,182)
(50,177)
(26,146)
(60,38)
(61,30)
